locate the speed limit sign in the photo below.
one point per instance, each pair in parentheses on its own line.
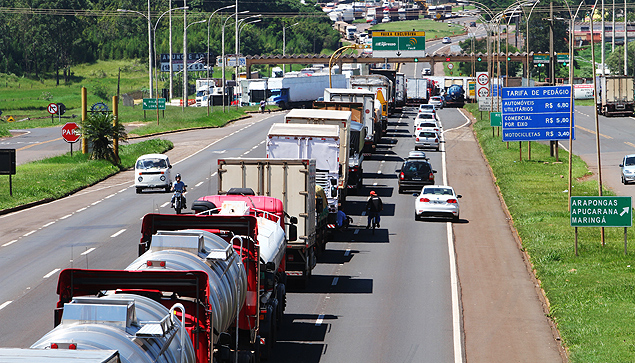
(450,65)
(482,78)
(483,92)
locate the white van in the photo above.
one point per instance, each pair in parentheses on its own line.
(152,171)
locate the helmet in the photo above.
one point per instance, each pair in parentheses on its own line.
(372,192)
(177,176)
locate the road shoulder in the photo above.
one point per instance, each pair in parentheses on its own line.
(503,308)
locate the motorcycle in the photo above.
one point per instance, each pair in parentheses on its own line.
(178,201)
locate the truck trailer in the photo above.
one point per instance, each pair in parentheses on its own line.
(615,95)
(297,89)
(369,116)
(293,182)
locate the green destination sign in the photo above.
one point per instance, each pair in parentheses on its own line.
(399,44)
(541,58)
(562,57)
(601,212)
(151,103)
(495,119)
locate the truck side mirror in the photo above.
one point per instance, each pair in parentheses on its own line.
(293,232)
(293,220)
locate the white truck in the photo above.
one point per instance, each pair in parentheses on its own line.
(382,87)
(341,119)
(350,32)
(306,141)
(293,182)
(206,89)
(417,90)
(369,117)
(615,95)
(298,89)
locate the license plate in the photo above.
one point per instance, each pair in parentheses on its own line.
(437,202)
(416,178)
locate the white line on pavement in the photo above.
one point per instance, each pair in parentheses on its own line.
(348,251)
(48,224)
(66,216)
(118,233)
(164,204)
(30,233)
(87,251)
(10,243)
(81,209)
(51,273)
(198,185)
(335,280)
(318,322)
(4,304)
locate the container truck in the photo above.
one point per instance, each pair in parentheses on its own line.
(417,89)
(391,94)
(341,119)
(369,117)
(356,142)
(319,142)
(350,32)
(382,87)
(293,182)
(297,89)
(615,95)
(401,91)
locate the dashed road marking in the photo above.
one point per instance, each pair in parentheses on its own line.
(319,320)
(30,233)
(51,273)
(118,233)
(87,251)
(48,224)
(335,280)
(81,209)
(10,243)
(198,185)
(66,216)
(347,252)
(164,204)
(4,304)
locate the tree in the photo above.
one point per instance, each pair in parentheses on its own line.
(99,131)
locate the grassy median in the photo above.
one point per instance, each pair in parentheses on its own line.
(59,176)
(591,296)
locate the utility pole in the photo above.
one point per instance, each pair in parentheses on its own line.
(184,56)
(171,69)
(552,65)
(603,39)
(625,42)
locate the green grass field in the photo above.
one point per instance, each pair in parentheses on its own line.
(592,295)
(433,29)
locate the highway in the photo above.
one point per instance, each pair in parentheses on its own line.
(387,287)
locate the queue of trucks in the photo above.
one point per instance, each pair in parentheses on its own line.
(211,286)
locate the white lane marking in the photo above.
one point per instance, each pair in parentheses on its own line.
(87,251)
(375,183)
(356,231)
(335,280)
(48,224)
(66,216)
(214,174)
(10,243)
(97,202)
(199,184)
(51,273)
(122,190)
(164,204)
(383,161)
(30,233)
(111,195)
(378,171)
(319,320)
(81,209)
(118,233)
(348,251)
(220,151)
(4,304)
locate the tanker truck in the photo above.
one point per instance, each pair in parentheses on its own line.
(455,96)
(293,182)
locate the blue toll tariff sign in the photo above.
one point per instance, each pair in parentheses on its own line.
(536,113)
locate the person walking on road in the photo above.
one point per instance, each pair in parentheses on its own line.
(374,206)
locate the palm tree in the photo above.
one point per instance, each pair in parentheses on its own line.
(99,131)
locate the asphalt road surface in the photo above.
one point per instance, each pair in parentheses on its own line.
(374,298)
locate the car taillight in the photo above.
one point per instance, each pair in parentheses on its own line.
(454,201)
(353,169)
(401,176)
(431,177)
(425,200)
(417,139)
(436,140)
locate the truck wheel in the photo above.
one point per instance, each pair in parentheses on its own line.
(139,190)
(282,105)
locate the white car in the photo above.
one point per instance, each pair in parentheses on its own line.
(152,171)
(628,169)
(428,108)
(446,40)
(427,139)
(437,101)
(437,201)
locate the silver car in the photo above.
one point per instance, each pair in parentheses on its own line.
(628,169)
(427,139)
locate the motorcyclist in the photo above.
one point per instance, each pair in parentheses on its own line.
(181,187)
(374,206)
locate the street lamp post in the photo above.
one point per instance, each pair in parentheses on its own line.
(284,44)
(153,42)
(242,26)
(238,25)
(527,40)
(208,65)
(185,62)
(223,50)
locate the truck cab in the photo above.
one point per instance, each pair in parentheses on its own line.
(279,97)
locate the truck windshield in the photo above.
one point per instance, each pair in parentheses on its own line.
(275,92)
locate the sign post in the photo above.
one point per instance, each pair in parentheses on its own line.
(601,212)
(69,134)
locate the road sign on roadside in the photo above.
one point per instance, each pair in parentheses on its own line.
(10,119)
(52,108)
(69,132)
(151,104)
(495,119)
(536,113)
(601,212)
